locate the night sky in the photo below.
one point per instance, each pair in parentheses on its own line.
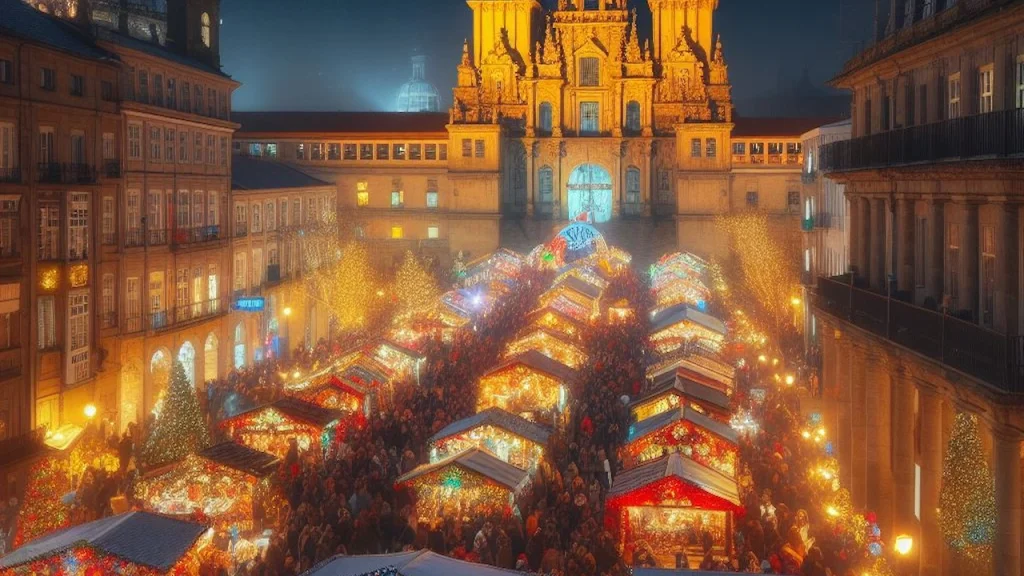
(354,54)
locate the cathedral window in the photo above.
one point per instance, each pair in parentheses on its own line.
(545,179)
(589,118)
(694,147)
(205,28)
(632,185)
(544,122)
(633,116)
(590,71)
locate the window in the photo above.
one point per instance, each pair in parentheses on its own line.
(590,71)
(133,211)
(47,153)
(47,323)
(239,269)
(664,186)
(632,185)
(633,116)
(77,147)
(77,85)
(886,111)
(383,150)
(211,149)
(985,89)
(366,151)
(910,101)
(143,87)
(544,121)
(47,79)
(78,226)
(479,148)
(257,221)
(349,152)
(397,194)
(757,148)
(211,102)
(186,97)
(258,270)
(213,287)
(198,208)
(154,144)
(988,275)
(442,151)
(398,152)
(78,336)
(775,147)
(467,148)
(181,210)
(6,72)
(7,148)
(695,145)
(752,199)
(9,220)
(48,240)
(223,150)
(197,289)
(133,303)
(954,96)
(739,148)
(172,94)
(204,29)
(953,265)
(430,151)
(269,216)
(362,195)
(107,301)
(300,151)
(169,140)
(432,232)
(284,212)
(545,180)
(182,294)
(197,148)
(589,118)
(334,151)
(920,251)
(431,193)
(158,89)
(396,233)
(711,147)
(415,151)
(107,220)
(1020,81)
(212,209)
(793,201)
(197,102)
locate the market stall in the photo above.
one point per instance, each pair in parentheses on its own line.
(414,563)
(135,543)
(402,360)
(549,343)
(678,266)
(272,427)
(591,274)
(669,506)
(684,430)
(222,482)
(673,327)
(509,437)
(558,322)
(672,389)
(531,385)
(471,483)
(337,393)
(697,367)
(620,311)
(503,264)
(573,297)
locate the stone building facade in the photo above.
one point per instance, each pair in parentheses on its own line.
(929,324)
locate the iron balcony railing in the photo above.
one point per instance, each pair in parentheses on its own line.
(134,238)
(184,314)
(112,168)
(994,358)
(197,235)
(57,173)
(156,237)
(983,136)
(10,175)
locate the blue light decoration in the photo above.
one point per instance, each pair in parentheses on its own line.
(815,417)
(250,304)
(581,240)
(702,305)
(829,449)
(875,549)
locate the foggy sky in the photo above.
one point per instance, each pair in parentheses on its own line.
(354,55)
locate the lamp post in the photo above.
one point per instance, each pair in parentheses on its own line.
(904,547)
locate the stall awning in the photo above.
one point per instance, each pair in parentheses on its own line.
(477,461)
(674,466)
(536,361)
(499,419)
(242,458)
(682,312)
(688,387)
(143,538)
(655,423)
(418,563)
(296,409)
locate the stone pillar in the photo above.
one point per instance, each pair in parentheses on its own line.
(932,448)
(855,235)
(1007,280)
(877,244)
(858,408)
(844,436)
(878,440)
(970,255)
(905,245)
(1006,469)
(829,350)
(903,416)
(935,257)
(865,238)
(531,176)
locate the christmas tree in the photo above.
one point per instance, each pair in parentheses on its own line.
(967,500)
(179,430)
(414,287)
(43,511)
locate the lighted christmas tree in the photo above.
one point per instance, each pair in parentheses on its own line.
(342,277)
(42,511)
(414,288)
(179,430)
(967,502)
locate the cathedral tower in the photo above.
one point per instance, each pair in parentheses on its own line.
(671,16)
(515,17)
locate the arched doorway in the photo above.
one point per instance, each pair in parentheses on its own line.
(210,361)
(239,355)
(590,193)
(160,373)
(187,357)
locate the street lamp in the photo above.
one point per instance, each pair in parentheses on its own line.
(90,411)
(287,311)
(904,544)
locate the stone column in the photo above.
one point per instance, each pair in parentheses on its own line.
(970,256)
(855,235)
(1007,280)
(828,358)
(1006,469)
(531,176)
(844,436)
(858,423)
(932,448)
(905,245)
(878,440)
(903,416)
(876,244)
(936,241)
(864,246)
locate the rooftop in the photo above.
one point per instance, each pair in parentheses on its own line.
(499,419)
(154,49)
(340,122)
(256,174)
(23,21)
(780,127)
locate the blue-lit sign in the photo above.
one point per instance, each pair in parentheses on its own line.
(250,304)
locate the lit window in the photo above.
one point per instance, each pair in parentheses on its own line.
(396,233)
(954,96)
(695,147)
(397,194)
(985,89)
(205,29)
(590,71)
(711,147)
(431,193)
(362,193)
(432,232)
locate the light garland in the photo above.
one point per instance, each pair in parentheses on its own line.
(414,288)
(548,345)
(967,497)
(519,389)
(516,450)
(269,430)
(689,440)
(453,492)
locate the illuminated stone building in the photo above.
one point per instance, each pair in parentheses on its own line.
(556,113)
(116,178)
(929,325)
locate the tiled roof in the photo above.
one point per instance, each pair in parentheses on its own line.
(296,409)
(419,563)
(659,421)
(20,20)
(700,392)
(339,122)
(154,49)
(478,461)
(256,174)
(242,458)
(677,465)
(783,127)
(499,419)
(142,538)
(535,360)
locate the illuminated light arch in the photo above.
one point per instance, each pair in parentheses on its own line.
(590,193)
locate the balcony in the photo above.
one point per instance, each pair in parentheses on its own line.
(241,229)
(134,238)
(995,135)
(156,237)
(112,168)
(10,363)
(197,235)
(10,175)
(182,315)
(994,358)
(56,173)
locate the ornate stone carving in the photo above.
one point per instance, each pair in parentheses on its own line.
(552,52)
(633,54)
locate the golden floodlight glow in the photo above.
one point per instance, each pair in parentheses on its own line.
(287,311)
(90,411)
(904,544)
(789,379)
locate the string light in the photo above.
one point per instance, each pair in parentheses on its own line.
(414,288)
(967,497)
(179,429)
